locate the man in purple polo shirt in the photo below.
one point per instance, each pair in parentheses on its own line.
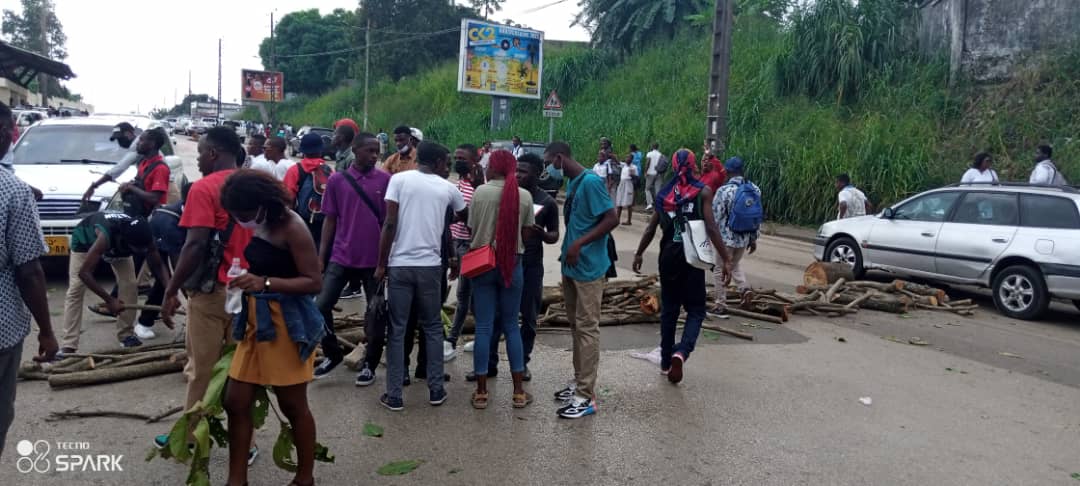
(354,205)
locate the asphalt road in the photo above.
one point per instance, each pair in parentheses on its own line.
(784,409)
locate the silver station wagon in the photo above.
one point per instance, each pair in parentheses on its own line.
(1022,241)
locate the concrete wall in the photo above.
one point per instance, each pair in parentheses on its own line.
(988,39)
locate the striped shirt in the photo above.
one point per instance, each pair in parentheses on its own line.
(460,231)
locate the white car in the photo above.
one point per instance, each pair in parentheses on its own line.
(61,157)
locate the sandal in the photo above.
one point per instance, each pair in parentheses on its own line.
(522,400)
(479,400)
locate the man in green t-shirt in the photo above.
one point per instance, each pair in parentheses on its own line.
(114,237)
(590,217)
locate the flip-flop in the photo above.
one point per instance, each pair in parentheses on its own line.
(522,400)
(479,400)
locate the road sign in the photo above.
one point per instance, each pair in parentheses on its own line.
(553,102)
(552,113)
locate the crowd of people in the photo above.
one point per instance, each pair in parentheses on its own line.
(394,227)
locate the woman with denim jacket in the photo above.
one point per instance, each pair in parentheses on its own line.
(279,327)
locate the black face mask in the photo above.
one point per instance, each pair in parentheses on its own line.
(462,167)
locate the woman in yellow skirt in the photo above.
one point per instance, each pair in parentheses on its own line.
(279,327)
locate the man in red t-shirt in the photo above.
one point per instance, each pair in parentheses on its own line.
(712,172)
(208,325)
(151,184)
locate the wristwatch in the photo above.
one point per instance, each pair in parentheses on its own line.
(266,284)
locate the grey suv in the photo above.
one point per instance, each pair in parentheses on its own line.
(1020,240)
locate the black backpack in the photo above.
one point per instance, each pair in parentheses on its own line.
(133,205)
(312,186)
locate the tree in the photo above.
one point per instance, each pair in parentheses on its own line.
(25,31)
(630,24)
(309,49)
(487,7)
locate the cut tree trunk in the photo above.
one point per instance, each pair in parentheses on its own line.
(903,285)
(880,302)
(823,274)
(110,375)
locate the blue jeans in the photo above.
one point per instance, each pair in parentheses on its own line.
(532,295)
(680,288)
(491,300)
(464,295)
(411,290)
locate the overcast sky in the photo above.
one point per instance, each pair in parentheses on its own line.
(135,55)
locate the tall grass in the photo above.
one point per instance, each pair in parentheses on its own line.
(904,132)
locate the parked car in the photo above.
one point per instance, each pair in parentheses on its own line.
(327,137)
(25,118)
(238,128)
(62,157)
(1022,241)
(546,182)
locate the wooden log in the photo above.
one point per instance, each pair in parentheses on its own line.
(139,358)
(822,274)
(855,303)
(921,289)
(878,286)
(732,332)
(831,293)
(881,302)
(110,375)
(754,315)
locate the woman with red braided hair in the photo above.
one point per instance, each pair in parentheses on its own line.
(499,213)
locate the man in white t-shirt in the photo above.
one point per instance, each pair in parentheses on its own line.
(410,257)
(1046,172)
(256,154)
(852,201)
(652,175)
(274,153)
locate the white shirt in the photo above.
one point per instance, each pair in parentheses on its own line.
(259,162)
(654,157)
(1046,173)
(422,203)
(518,151)
(627,173)
(974,175)
(856,202)
(601,169)
(281,167)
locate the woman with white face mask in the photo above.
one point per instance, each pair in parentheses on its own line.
(279,326)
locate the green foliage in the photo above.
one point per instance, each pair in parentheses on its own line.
(486,7)
(629,25)
(372,430)
(398,468)
(836,46)
(23,30)
(905,132)
(205,422)
(305,32)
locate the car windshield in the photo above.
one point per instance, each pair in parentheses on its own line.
(322,132)
(51,144)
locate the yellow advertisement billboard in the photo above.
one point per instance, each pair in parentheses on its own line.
(500,60)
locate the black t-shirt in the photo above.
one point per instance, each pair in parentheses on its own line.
(672,258)
(84,235)
(547,219)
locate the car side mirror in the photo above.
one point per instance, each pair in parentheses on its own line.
(888,213)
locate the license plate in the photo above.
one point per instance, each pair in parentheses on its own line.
(58,245)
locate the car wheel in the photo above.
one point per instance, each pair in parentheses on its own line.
(845,250)
(1020,292)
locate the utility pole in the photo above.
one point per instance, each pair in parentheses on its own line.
(716,121)
(189,82)
(273,63)
(367,65)
(219,78)
(43,79)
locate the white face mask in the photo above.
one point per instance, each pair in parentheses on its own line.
(253,224)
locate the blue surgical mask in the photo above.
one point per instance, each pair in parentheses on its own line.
(554,174)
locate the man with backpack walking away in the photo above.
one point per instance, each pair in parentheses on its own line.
(1045,172)
(739,213)
(306,183)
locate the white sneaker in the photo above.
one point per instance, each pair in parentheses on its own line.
(469,346)
(448,352)
(144,332)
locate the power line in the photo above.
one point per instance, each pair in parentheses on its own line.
(361,48)
(552,4)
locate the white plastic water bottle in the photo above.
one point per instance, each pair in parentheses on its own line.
(234,297)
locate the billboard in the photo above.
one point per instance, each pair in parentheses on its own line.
(203,108)
(500,60)
(262,86)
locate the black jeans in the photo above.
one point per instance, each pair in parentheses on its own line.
(532,295)
(157,295)
(681,287)
(334,279)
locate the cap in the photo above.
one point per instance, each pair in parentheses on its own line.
(312,143)
(137,233)
(121,128)
(417,134)
(734,164)
(349,123)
